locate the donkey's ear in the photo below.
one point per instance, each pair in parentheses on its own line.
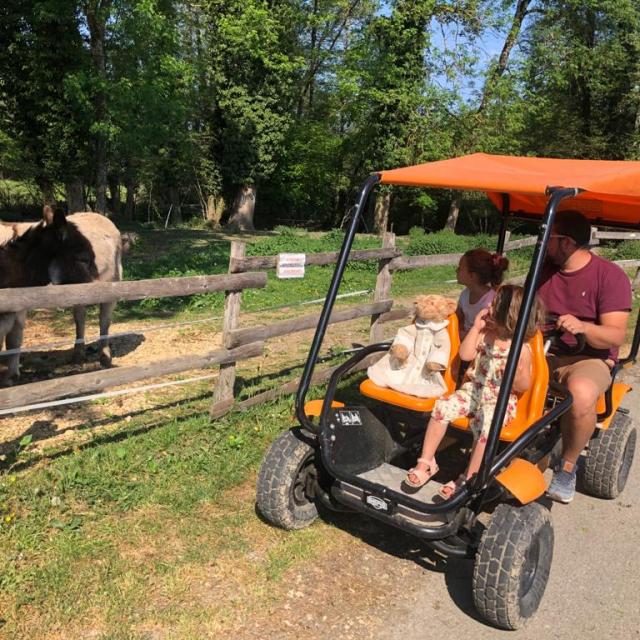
(47,214)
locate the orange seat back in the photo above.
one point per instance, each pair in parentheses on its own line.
(451,373)
(531,403)
(406,401)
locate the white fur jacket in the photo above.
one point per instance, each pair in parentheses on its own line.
(426,342)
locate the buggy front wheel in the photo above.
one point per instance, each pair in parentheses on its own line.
(286,481)
(609,458)
(512,564)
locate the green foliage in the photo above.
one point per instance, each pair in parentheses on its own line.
(580,74)
(627,250)
(447,242)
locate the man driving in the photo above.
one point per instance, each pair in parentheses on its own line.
(586,294)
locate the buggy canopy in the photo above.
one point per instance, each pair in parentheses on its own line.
(611,188)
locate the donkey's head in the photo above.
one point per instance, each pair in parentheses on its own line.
(71,258)
(23,263)
(52,251)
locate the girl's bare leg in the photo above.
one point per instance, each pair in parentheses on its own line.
(432,439)
(477,452)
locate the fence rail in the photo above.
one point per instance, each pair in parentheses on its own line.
(69,295)
(258,263)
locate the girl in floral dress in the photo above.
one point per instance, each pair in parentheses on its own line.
(487,344)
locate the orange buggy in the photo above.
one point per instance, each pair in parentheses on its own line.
(355,456)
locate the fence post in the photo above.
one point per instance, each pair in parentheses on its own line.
(507,237)
(223,390)
(383,287)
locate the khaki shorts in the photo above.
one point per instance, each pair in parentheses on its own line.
(567,367)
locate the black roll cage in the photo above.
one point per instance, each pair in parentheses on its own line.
(491,462)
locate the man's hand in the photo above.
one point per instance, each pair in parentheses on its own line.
(571,324)
(609,332)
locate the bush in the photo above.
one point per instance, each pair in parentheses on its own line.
(447,242)
(627,250)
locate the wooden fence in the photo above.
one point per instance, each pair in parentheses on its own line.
(239,344)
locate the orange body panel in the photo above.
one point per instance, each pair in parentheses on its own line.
(313,408)
(524,480)
(618,392)
(611,187)
(406,401)
(531,403)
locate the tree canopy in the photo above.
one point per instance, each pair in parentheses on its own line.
(273,112)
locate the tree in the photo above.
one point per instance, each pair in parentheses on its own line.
(47,120)
(580,77)
(253,79)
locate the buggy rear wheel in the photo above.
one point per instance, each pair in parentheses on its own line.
(287,477)
(609,458)
(512,564)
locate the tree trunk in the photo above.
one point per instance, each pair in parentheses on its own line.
(512,37)
(454,212)
(381,212)
(75,195)
(215,209)
(114,192)
(243,207)
(176,209)
(46,189)
(130,203)
(96,14)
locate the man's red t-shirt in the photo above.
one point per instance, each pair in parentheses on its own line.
(599,287)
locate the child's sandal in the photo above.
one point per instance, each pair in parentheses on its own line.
(423,475)
(449,489)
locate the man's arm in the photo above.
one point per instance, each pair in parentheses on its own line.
(609,333)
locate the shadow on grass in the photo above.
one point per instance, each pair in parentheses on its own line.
(37,365)
(42,430)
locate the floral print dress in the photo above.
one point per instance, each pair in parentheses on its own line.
(477,397)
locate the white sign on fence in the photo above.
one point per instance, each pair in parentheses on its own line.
(291,265)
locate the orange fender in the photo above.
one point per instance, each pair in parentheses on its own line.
(618,392)
(524,480)
(314,407)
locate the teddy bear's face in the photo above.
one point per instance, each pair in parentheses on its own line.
(434,308)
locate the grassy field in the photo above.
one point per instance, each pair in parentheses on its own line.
(147,524)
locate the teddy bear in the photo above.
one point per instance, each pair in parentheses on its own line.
(419,352)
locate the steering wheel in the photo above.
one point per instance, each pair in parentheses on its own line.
(552,338)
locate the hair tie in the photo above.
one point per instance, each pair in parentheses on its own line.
(496,258)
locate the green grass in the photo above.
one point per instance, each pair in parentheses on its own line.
(185,253)
(71,526)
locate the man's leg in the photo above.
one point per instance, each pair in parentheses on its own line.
(579,423)
(586,380)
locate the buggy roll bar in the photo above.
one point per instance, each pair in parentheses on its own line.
(557,194)
(341,264)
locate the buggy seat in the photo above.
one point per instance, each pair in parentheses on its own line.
(390,396)
(530,404)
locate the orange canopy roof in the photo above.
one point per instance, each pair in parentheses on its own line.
(611,187)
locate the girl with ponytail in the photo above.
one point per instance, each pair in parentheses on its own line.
(480,272)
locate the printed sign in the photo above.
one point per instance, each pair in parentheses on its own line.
(290,265)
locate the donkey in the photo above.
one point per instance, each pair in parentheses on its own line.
(88,248)
(23,263)
(85,247)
